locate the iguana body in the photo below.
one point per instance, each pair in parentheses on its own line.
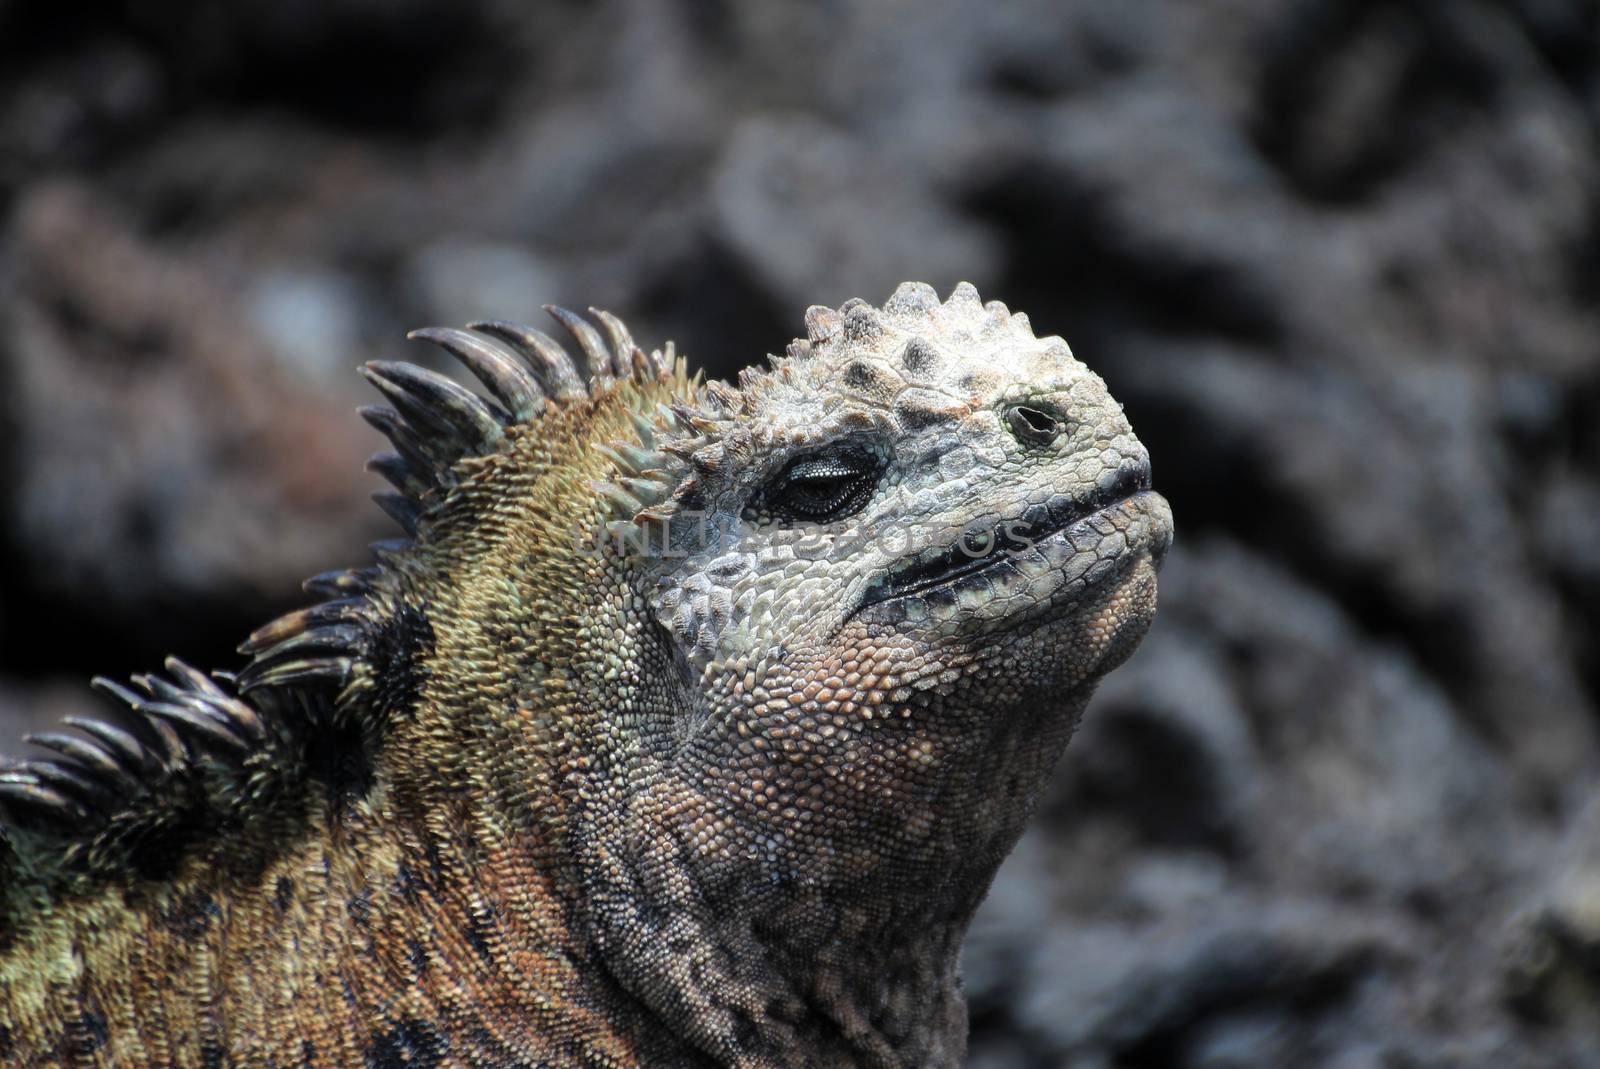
(688,728)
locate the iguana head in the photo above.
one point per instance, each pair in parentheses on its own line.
(852,610)
(891,569)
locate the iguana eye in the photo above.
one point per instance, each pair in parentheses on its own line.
(819,488)
(1033,426)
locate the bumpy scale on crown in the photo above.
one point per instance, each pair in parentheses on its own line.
(917,359)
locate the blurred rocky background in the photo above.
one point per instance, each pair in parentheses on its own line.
(1340,259)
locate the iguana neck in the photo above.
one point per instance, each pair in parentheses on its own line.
(758,966)
(500,955)
(794,976)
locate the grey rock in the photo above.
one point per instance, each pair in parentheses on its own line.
(818,216)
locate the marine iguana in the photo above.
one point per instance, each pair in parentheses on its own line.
(687,726)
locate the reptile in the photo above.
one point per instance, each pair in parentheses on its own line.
(686,726)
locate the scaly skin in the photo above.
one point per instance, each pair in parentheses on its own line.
(689,730)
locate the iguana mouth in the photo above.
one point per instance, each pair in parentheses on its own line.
(983,548)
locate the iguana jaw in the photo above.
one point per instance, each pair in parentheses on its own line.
(990,549)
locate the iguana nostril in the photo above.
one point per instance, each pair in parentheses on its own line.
(1032,426)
